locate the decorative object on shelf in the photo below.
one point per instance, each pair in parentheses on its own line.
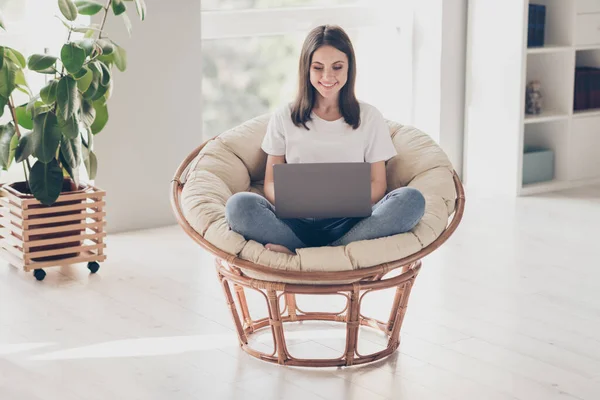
(587,88)
(52,135)
(533,103)
(536,25)
(538,165)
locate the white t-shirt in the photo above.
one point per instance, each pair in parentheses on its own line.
(329,141)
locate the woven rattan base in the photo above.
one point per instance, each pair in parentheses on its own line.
(234,282)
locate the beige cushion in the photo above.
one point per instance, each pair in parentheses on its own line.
(234,162)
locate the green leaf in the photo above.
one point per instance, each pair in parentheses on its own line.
(7,78)
(1,56)
(106,45)
(6,134)
(140,6)
(118,7)
(120,58)
(68,9)
(84,83)
(3,103)
(85,29)
(16,57)
(23,117)
(66,98)
(33,103)
(21,83)
(48,92)
(73,172)
(97,70)
(13,147)
(94,85)
(127,24)
(99,95)
(87,7)
(71,151)
(109,90)
(47,71)
(101,116)
(91,164)
(20,78)
(39,62)
(25,147)
(87,112)
(87,45)
(70,127)
(46,180)
(46,136)
(88,143)
(79,74)
(73,57)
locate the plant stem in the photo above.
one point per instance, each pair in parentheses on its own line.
(11,106)
(25,173)
(108,3)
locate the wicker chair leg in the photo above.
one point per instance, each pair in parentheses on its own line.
(234,312)
(277,326)
(352,324)
(399,317)
(290,301)
(241,295)
(394,311)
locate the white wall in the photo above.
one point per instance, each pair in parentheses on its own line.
(439,68)
(453,61)
(154,113)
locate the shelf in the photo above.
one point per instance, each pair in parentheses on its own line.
(555,185)
(553,71)
(586,113)
(545,116)
(588,47)
(548,49)
(543,187)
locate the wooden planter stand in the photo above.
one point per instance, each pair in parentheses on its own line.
(34,236)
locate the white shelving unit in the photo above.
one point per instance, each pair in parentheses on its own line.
(499,66)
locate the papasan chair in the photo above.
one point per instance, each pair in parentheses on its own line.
(234,162)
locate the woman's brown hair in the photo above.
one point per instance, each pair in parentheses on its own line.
(325,35)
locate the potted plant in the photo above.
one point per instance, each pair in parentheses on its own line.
(44,218)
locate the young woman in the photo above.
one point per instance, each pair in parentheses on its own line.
(326,123)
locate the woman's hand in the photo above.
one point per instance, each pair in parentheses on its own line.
(269,185)
(378,181)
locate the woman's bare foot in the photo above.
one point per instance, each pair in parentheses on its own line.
(280,249)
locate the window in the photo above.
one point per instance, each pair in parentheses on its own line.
(250,53)
(31,28)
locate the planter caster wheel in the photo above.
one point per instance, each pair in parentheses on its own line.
(93,267)
(39,274)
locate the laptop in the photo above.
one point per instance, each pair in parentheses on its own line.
(322,190)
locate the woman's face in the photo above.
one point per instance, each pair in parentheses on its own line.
(328,71)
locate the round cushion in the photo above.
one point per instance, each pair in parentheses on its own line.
(234,162)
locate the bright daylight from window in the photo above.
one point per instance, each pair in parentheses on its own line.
(250,59)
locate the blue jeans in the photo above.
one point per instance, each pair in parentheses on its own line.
(253,216)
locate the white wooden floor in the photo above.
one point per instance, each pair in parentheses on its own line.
(509,308)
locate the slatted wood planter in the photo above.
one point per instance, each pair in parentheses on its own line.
(34,236)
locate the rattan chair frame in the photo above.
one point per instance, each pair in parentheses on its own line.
(230,272)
